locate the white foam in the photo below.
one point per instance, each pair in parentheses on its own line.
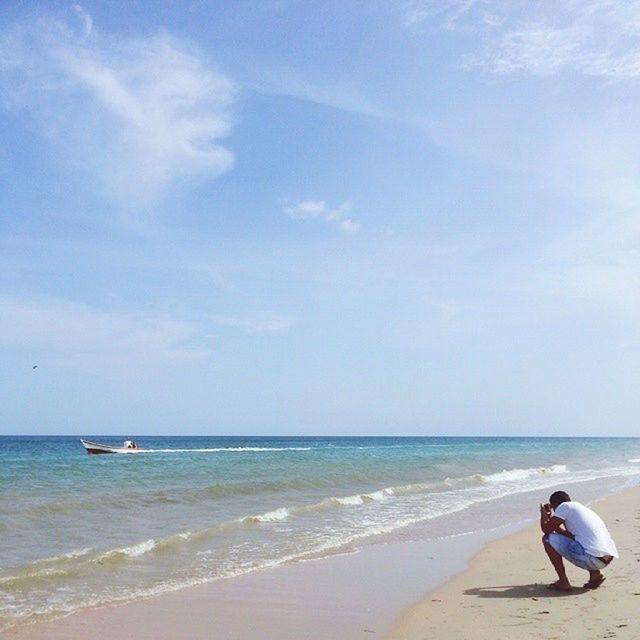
(65,556)
(522,474)
(349,500)
(354,500)
(270,516)
(134,551)
(227,449)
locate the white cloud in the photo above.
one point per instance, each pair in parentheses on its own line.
(348,226)
(90,339)
(541,50)
(318,209)
(141,114)
(591,37)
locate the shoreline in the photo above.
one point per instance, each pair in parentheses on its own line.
(495,599)
(342,597)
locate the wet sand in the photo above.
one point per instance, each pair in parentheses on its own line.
(341,597)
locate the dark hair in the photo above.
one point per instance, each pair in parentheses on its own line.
(558,497)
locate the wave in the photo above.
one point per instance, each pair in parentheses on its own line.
(44,569)
(357,518)
(522,474)
(270,516)
(146,499)
(399,446)
(70,555)
(127,499)
(355,500)
(69,562)
(346,501)
(227,449)
(634,460)
(73,562)
(379,495)
(133,551)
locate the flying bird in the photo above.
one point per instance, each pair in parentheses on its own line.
(35,366)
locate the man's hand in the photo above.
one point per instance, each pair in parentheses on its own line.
(549,522)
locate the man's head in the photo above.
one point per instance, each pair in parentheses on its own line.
(557,498)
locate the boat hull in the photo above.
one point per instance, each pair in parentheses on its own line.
(94,448)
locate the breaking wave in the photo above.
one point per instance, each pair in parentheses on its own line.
(270,516)
(522,474)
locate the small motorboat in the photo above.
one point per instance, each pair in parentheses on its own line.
(129,446)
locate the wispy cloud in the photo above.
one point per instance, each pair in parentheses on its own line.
(86,19)
(140,113)
(596,37)
(318,210)
(283,80)
(592,37)
(447,14)
(86,338)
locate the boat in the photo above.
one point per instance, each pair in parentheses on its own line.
(129,446)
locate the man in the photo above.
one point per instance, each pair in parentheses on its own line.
(575,532)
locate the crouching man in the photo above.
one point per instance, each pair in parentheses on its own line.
(575,532)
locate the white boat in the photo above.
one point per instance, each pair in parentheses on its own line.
(129,446)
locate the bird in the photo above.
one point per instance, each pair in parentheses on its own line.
(35,366)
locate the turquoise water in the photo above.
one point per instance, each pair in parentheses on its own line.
(78,530)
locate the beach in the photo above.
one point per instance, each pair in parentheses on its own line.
(500,594)
(503,593)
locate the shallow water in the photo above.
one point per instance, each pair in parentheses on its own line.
(82,530)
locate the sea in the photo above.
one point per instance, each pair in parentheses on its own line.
(79,531)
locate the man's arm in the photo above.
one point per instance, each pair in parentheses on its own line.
(550,523)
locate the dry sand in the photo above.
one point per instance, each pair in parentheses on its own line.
(503,594)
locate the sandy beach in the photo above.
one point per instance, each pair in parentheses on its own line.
(503,593)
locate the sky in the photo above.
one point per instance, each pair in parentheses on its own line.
(407,217)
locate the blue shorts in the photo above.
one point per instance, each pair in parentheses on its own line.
(574,552)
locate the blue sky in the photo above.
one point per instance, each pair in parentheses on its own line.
(285,217)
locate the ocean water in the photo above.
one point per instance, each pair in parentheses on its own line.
(78,531)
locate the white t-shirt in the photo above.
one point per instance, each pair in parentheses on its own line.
(587,528)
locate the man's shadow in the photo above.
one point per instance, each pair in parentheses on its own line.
(522,591)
